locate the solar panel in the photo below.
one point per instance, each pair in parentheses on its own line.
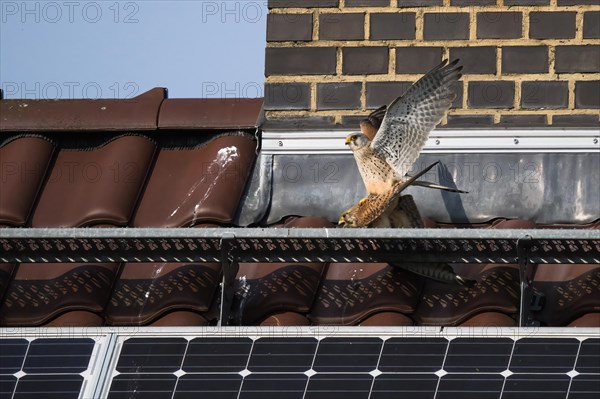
(45,367)
(366,367)
(326,363)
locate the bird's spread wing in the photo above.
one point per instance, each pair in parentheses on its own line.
(371,123)
(410,118)
(376,117)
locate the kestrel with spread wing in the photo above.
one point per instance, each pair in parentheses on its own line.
(393,137)
(376,211)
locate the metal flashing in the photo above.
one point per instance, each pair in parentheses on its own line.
(444,141)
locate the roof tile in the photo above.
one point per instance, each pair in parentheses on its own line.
(98,186)
(138,113)
(203,184)
(351,292)
(38,293)
(212,113)
(25,161)
(147,291)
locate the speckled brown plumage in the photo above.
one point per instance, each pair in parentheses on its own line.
(402,129)
(388,209)
(391,209)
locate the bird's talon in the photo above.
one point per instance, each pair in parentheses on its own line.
(362,201)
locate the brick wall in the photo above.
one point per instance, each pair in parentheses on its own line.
(526,62)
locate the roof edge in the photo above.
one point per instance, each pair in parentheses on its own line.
(152,110)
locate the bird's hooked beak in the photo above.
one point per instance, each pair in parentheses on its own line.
(348,140)
(342,221)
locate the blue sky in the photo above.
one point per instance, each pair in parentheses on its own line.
(118,49)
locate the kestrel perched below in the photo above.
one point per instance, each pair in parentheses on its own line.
(386,210)
(402,129)
(376,211)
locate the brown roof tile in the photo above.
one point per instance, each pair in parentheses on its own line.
(40,292)
(134,181)
(146,292)
(268,288)
(196,185)
(209,113)
(148,111)
(352,292)
(77,185)
(138,113)
(96,186)
(25,161)
(568,292)
(496,290)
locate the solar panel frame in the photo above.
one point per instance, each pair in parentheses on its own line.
(582,381)
(381,384)
(43,363)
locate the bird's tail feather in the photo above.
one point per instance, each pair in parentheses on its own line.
(423,183)
(440,272)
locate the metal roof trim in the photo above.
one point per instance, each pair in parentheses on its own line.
(296,244)
(444,141)
(275,232)
(318,331)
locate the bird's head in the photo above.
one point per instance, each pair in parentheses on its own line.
(356,141)
(348,219)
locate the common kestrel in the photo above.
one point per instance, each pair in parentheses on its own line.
(375,211)
(402,129)
(388,209)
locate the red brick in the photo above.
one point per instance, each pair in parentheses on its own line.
(341,26)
